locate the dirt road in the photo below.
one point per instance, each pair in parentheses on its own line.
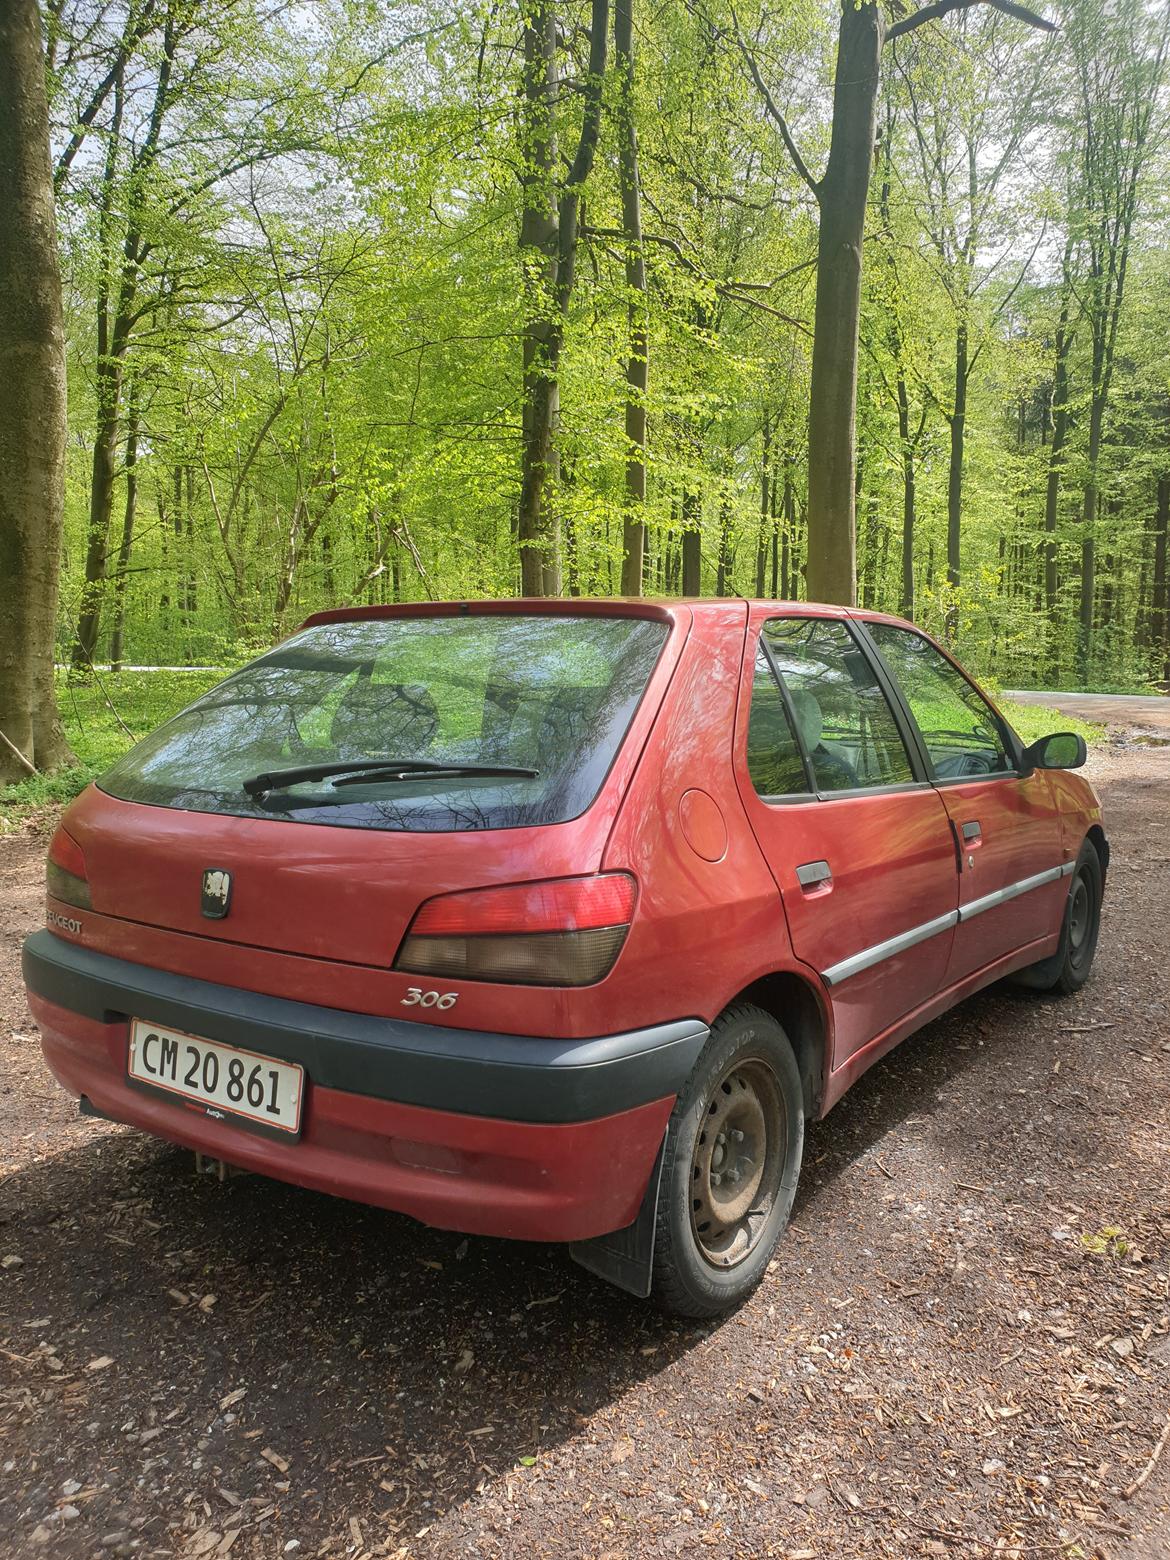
(962,1348)
(1121,711)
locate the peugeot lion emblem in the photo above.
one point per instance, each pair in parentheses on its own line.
(217,893)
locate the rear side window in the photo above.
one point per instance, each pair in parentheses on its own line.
(845,724)
(773,754)
(960,729)
(554,695)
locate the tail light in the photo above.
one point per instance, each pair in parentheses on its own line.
(562,932)
(65,875)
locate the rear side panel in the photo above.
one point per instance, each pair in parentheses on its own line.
(709,917)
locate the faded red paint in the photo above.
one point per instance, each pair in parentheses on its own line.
(318,913)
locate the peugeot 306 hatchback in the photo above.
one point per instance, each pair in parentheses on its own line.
(556,920)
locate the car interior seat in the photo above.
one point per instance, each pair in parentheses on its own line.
(833,772)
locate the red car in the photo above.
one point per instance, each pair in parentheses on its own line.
(556,920)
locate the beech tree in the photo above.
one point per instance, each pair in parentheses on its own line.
(1120,62)
(638,362)
(32,405)
(842,194)
(549,233)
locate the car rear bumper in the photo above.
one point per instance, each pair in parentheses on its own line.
(538,1139)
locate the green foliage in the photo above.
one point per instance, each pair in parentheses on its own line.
(1031,721)
(324,341)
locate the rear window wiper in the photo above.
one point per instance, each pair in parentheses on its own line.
(359,771)
(438,772)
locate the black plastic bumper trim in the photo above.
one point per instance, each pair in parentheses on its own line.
(472,1072)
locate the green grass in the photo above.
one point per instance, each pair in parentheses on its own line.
(1037,720)
(102,718)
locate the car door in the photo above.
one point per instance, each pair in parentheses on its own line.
(1013,880)
(855,836)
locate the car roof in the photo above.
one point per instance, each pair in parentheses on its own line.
(671,608)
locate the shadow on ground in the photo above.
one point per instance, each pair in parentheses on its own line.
(394,1369)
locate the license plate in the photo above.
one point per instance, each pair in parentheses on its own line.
(220,1081)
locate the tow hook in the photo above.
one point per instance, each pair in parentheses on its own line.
(219,1168)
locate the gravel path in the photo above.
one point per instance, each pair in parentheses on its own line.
(1136,712)
(962,1347)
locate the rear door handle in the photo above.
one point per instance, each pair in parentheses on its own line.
(813,873)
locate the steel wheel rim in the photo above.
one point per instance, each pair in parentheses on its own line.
(1080,915)
(737,1163)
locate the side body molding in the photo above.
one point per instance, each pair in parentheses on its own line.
(868,957)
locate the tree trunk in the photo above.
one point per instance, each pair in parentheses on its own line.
(775,506)
(1056,456)
(909,497)
(32,405)
(863,520)
(119,614)
(692,543)
(190,591)
(1160,602)
(1110,606)
(842,194)
(548,251)
(723,561)
(958,423)
(1089,534)
(101,505)
(638,365)
(538,256)
(787,581)
(765,508)
(113,341)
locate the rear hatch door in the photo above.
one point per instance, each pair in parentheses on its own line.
(336,866)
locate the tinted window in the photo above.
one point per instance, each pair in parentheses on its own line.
(960,729)
(774,762)
(845,723)
(554,694)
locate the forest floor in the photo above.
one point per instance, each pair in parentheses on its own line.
(962,1347)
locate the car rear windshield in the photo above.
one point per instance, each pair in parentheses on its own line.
(553,694)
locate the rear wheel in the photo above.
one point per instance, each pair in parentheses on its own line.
(1068,968)
(733,1151)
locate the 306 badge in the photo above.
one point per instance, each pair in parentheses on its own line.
(417,997)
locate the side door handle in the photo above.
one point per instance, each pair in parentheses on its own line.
(969,836)
(813,873)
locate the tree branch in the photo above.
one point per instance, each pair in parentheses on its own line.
(940,8)
(135,31)
(774,113)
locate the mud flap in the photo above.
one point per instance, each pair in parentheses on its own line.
(626,1257)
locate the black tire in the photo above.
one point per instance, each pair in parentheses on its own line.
(1068,968)
(708,1257)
